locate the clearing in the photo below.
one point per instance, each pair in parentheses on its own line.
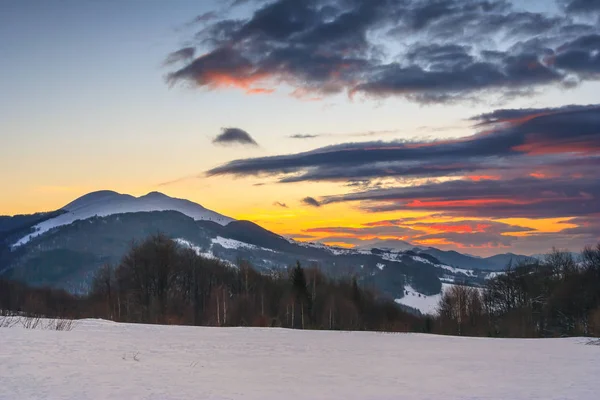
(105,360)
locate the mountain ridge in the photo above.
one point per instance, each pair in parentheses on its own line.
(108,202)
(66,248)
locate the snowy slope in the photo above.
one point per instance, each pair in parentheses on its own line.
(423,303)
(105,360)
(397,256)
(106,202)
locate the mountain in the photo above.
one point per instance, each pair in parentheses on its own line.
(497,262)
(65,248)
(107,202)
(395,245)
(12,225)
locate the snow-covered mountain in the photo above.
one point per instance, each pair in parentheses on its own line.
(65,248)
(106,202)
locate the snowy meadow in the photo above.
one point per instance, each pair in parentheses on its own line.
(106,360)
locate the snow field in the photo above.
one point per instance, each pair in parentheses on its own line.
(105,360)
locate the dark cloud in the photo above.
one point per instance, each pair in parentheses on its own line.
(311,201)
(585,233)
(234,136)
(518,198)
(280,204)
(207,16)
(513,140)
(529,163)
(350,134)
(301,136)
(503,115)
(587,227)
(436,51)
(583,6)
(180,55)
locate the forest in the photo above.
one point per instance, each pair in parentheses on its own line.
(160,282)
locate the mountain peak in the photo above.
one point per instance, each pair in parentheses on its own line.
(155,195)
(92,198)
(108,202)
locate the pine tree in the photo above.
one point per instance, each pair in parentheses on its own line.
(356,297)
(300,290)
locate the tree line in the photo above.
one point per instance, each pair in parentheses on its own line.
(558,296)
(160,282)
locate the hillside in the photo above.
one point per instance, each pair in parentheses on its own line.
(497,262)
(64,249)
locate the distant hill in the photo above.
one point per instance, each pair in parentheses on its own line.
(494,263)
(65,248)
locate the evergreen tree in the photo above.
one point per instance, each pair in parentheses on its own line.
(300,290)
(356,297)
(299,284)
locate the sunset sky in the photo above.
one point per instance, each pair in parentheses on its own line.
(461,124)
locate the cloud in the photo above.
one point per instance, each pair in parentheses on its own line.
(519,163)
(310,201)
(517,198)
(234,136)
(440,51)
(207,16)
(582,6)
(280,204)
(180,55)
(461,234)
(301,136)
(350,134)
(512,142)
(364,232)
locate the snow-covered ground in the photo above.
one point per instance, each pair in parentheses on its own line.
(397,256)
(105,360)
(236,244)
(423,303)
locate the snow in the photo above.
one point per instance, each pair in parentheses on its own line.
(493,275)
(380,266)
(231,243)
(339,251)
(336,251)
(422,260)
(391,256)
(105,360)
(198,250)
(236,244)
(313,245)
(423,303)
(109,203)
(455,270)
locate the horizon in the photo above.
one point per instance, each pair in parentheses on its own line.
(350,122)
(366,245)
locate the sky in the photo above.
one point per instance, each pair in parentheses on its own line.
(468,125)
